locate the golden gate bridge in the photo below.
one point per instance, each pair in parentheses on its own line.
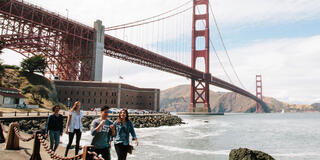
(75,51)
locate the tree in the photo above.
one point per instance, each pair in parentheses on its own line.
(35,63)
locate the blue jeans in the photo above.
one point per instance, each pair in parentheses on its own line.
(54,139)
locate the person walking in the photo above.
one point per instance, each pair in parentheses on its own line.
(74,126)
(102,130)
(123,126)
(54,127)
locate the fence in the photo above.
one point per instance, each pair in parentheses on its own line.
(13,144)
(86,113)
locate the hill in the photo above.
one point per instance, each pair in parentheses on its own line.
(178,99)
(13,78)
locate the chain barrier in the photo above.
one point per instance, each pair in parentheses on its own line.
(95,156)
(16,131)
(54,155)
(40,139)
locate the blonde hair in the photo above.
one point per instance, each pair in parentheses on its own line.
(75,105)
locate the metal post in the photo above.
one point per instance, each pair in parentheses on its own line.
(36,147)
(13,139)
(86,155)
(2,139)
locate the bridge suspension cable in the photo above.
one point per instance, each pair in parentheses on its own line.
(224,46)
(137,23)
(216,53)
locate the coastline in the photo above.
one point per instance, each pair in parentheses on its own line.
(28,126)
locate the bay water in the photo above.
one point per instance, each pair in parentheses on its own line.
(288,136)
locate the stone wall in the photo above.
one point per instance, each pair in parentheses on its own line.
(139,121)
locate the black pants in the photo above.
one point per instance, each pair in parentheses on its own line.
(122,151)
(78,137)
(105,153)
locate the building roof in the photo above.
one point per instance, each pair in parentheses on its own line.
(8,89)
(10,92)
(12,95)
(98,84)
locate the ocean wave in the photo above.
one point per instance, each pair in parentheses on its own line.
(190,151)
(302,154)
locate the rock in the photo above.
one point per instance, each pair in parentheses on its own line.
(247,154)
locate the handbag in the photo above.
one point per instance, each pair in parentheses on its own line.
(130,148)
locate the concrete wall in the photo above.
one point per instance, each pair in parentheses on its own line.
(98,50)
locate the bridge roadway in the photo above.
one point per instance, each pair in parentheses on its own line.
(114,47)
(123,50)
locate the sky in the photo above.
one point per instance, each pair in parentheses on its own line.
(277,39)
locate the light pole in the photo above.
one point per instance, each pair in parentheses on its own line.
(67,13)
(68,103)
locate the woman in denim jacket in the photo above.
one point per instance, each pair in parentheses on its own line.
(74,126)
(123,126)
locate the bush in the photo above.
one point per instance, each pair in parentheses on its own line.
(11,66)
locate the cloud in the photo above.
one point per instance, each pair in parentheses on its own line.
(230,12)
(288,67)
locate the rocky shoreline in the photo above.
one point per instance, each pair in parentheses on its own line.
(139,121)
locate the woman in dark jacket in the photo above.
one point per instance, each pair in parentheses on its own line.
(123,126)
(55,127)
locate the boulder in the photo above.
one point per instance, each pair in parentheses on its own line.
(247,154)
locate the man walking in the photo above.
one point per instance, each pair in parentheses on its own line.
(102,130)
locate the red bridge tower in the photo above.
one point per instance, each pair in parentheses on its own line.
(200,38)
(259,92)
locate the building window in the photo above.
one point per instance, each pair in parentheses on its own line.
(94,101)
(71,93)
(106,93)
(59,92)
(82,100)
(106,101)
(150,96)
(94,93)
(100,93)
(149,104)
(65,92)
(127,103)
(115,93)
(83,93)
(77,92)
(89,93)
(88,100)
(100,101)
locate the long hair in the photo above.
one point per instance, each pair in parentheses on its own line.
(74,106)
(127,116)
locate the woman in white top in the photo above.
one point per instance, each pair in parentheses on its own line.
(74,126)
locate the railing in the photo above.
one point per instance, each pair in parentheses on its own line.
(64,113)
(38,137)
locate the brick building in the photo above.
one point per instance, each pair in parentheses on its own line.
(116,95)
